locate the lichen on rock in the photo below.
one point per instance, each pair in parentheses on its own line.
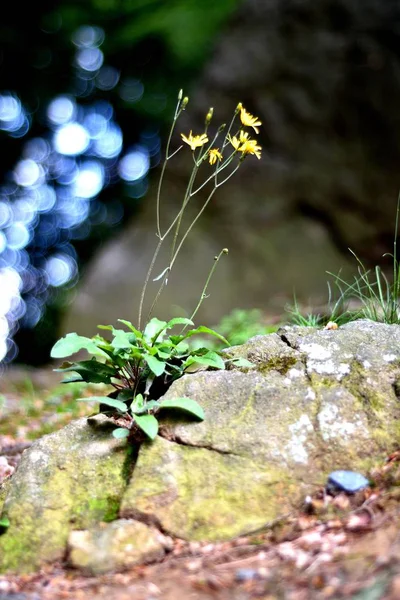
(313,402)
(70,479)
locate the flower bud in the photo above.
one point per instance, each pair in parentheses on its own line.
(180,95)
(225,251)
(209,116)
(221,127)
(238,108)
(184,102)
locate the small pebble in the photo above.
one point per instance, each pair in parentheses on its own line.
(246,575)
(348,481)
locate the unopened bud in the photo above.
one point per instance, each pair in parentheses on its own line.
(225,251)
(221,127)
(184,102)
(209,116)
(215,257)
(180,95)
(239,107)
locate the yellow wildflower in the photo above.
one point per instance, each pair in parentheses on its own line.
(251,147)
(248,120)
(195,141)
(245,145)
(214,155)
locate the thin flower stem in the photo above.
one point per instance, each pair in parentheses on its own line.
(204,292)
(189,229)
(149,272)
(167,158)
(186,199)
(218,170)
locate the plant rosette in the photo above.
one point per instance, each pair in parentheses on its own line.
(140,366)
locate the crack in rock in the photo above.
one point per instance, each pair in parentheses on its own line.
(170,436)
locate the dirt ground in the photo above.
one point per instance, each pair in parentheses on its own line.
(342,546)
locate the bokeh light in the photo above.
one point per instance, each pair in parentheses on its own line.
(52,197)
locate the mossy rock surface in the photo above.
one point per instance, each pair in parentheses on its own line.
(314,401)
(70,479)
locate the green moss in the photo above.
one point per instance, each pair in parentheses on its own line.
(70,479)
(199,494)
(281,363)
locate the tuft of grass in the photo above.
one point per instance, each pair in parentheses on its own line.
(378,297)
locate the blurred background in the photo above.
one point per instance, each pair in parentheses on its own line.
(87,92)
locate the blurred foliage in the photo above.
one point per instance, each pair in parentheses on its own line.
(163,45)
(242,324)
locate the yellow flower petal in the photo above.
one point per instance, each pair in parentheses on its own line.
(195,141)
(251,147)
(214,155)
(234,141)
(249,120)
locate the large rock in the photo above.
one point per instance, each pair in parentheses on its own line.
(314,401)
(325,82)
(70,479)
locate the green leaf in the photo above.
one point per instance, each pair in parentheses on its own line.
(203,329)
(138,333)
(153,329)
(121,406)
(187,404)
(5,522)
(120,433)
(176,339)
(157,366)
(91,371)
(72,343)
(211,359)
(240,362)
(145,408)
(148,424)
(179,321)
(123,339)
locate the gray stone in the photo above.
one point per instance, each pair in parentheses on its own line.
(314,401)
(114,546)
(69,479)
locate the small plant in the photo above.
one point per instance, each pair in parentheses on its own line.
(371,295)
(141,363)
(379,298)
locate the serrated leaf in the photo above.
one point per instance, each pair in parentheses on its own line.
(72,343)
(186,404)
(203,329)
(120,433)
(155,365)
(113,402)
(148,424)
